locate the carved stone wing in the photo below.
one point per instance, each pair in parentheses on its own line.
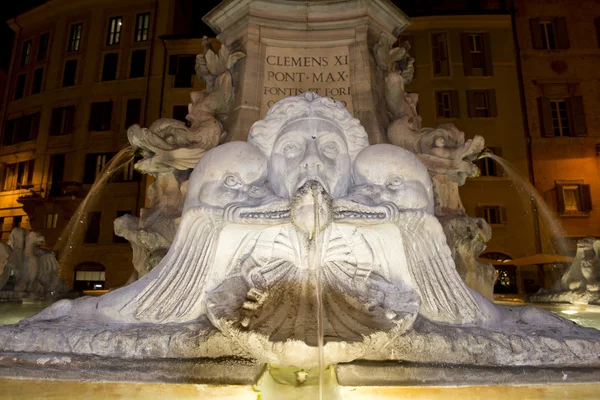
(444,296)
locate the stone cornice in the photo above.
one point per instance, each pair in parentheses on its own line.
(302,15)
(483,22)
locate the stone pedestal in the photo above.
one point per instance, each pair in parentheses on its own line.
(296,46)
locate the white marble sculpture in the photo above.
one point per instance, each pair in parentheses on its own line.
(449,158)
(170,149)
(35,270)
(305,206)
(580,284)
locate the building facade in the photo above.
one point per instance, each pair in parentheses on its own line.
(466,75)
(81,73)
(559,47)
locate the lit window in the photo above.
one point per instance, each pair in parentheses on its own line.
(574,198)
(51,221)
(26,53)
(142,24)
(75,37)
(548,35)
(114,31)
(560,118)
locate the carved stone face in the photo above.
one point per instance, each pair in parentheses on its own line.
(231,173)
(310,149)
(387,173)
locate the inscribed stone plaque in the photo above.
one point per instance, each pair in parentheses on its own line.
(292,71)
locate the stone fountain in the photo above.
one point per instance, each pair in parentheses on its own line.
(299,244)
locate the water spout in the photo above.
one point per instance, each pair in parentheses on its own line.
(553,236)
(74,230)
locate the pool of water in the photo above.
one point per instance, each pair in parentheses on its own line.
(11,313)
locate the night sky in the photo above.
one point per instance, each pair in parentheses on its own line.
(11,8)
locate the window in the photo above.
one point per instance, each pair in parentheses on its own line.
(447,104)
(51,221)
(129,174)
(92,233)
(109,67)
(20,87)
(573,198)
(17,221)
(477,56)
(62,121)
(38,77)
(94,164)
(22,129)
(489,167)
(100,116)
(493,215)
(549,34)
(482,103)
(562,117)
(75,37)
(132,114)
(138,64)
(70,73)
(26,53)
(117,238)
(89,276)
(18,175)
(597,23)
(180,112)
(25,174)
(57,168)
(142,25)
(183,67)
(114,31)
(43,47)
(439,48)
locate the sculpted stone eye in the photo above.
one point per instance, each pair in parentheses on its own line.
(330,150)
(232,181)
(394,182)
(290,148)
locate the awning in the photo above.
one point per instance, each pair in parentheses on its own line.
(495,262)
(537,259)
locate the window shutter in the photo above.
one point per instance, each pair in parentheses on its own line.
(455,103)
(536,33)
(55,123)
(440,104)
(466,53)
(546,122)
(470,103)
(597,23)
(479,213)
(577,112)
(503,215)
(562,35)
(560,199)
(491,94)
(173,65)
(487,53)
(586,198)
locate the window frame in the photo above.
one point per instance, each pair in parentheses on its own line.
(75,37)
(443,62)
(138,33)
(25,58)
(115,28)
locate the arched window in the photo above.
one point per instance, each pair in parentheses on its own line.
(89,276)
(507,273)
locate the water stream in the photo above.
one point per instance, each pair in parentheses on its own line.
(74,231)
(552,234)
(316,264)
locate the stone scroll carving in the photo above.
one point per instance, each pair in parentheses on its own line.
(170,149)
